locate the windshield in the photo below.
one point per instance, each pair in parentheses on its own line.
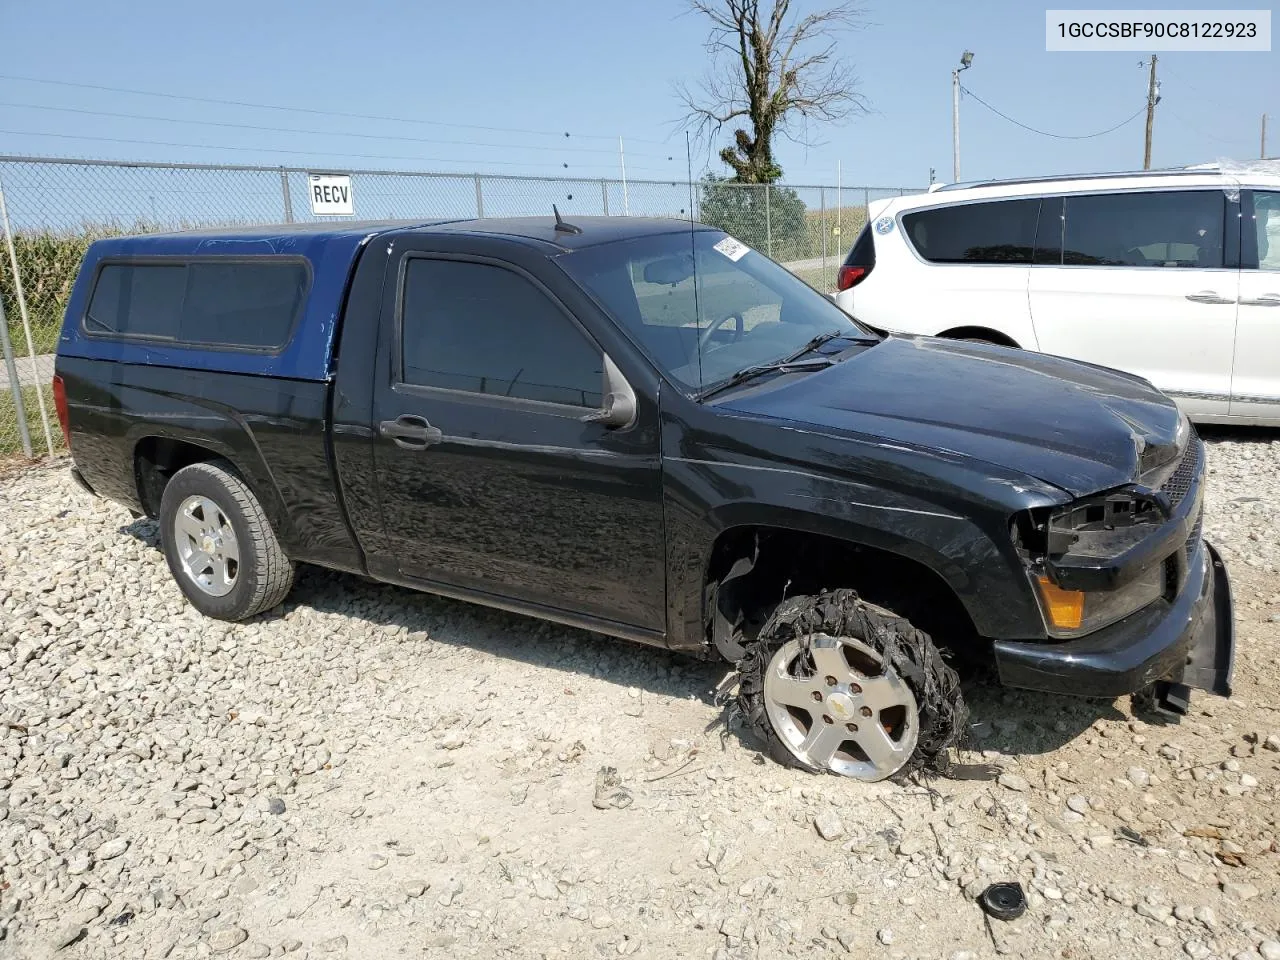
(747,311)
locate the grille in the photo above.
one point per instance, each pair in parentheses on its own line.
(1179,482)
(1195,534)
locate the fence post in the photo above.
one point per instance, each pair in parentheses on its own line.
(479,199)
(822,203)
(26,319)
(604,195)
(866,205)
(284,192)
(15,387)
(768,224)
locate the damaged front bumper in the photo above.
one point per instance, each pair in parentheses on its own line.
(1187,640)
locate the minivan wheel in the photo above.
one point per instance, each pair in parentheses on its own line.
(219,545)
(837,685)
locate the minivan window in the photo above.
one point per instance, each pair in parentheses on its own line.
(246,304)
(485,329)
(1172,228)
(1266,217)
(1002,231)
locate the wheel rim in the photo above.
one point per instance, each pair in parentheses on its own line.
(207,547)
(837,705)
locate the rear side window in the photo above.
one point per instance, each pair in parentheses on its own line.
(246,304)
(1181,228)
(137,301)
(1002,231)
(484,329)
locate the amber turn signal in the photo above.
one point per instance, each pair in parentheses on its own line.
(1065,608)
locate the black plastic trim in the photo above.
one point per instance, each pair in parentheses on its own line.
(81,482)
(1211,662)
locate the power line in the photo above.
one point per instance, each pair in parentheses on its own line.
(326,133)
(301,153)
(1210,97)
(1199,131)
(1056,136)
(317,112)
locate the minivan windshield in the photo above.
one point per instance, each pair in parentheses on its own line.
(741,310)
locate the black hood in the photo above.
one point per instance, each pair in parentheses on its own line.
(1079,427)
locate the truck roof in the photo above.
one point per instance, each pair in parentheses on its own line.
(595,230)
(284,237)
(331,248)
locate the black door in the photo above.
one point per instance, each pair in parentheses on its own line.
(489,478)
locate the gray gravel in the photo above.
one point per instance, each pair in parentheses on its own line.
(373,773)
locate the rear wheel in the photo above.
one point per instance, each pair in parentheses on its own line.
(834,684)
(219,545)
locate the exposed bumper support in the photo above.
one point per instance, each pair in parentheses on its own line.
(1211,661)
(1189,640)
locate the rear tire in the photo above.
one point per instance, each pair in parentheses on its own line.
(219,544)
(837,685)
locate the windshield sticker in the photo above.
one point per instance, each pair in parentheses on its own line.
(735,250)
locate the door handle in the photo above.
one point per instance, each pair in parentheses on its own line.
(411,432)
(1208,296)
(1266,300)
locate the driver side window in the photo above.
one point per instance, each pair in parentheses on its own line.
(480,328)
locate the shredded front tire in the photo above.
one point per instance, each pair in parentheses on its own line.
(825,688)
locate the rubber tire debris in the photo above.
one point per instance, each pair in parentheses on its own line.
(943,716)
(1003,901)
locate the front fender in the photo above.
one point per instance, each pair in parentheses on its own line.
(971,552)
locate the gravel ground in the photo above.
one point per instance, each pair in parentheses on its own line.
(370,772)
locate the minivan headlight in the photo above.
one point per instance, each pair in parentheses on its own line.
(1074,613)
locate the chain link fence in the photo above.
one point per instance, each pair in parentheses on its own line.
(53,208)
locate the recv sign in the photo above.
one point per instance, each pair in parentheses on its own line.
(330,195)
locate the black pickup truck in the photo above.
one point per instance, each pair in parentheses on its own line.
(647,429)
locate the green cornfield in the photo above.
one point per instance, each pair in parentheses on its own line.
(11,437)
(49,262)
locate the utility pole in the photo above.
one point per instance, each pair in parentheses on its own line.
(966,59)
(1262,154)
(1153,97)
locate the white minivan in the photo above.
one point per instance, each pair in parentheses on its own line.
(1172,275)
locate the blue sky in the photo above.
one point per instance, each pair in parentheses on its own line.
(597,70)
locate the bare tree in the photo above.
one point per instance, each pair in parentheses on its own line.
(775,70)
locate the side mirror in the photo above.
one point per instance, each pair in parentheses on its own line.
(618,409)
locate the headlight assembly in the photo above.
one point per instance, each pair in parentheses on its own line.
(1073,613)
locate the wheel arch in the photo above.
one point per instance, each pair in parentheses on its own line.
(752,566)
(985,334)
(157,456)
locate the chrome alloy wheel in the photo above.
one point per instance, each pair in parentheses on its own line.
(838,706)
(206,545)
